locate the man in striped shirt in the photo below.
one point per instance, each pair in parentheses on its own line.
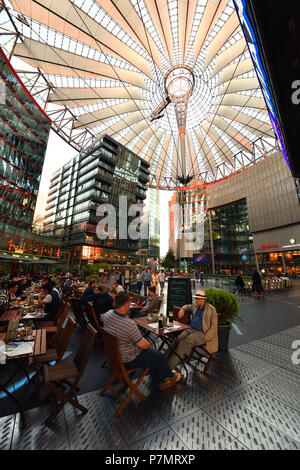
(135,350)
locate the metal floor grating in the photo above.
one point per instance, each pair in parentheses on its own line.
(252,403)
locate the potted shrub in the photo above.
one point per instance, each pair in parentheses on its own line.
(227,307)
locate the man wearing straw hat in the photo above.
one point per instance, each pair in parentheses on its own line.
(204,329)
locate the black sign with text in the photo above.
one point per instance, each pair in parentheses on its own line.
(179,292)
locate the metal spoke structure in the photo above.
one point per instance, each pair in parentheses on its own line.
(172,80)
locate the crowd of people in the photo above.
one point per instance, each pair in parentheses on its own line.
(115,312)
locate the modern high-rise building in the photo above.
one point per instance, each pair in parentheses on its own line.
(152,218)
(98,175)
(24,132)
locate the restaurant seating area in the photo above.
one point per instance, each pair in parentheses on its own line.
(81,397)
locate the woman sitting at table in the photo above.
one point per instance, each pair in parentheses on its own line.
(7,293)
(51,301)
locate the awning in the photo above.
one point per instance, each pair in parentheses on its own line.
(26,259)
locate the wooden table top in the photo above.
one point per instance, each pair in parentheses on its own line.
(39,346)
(15,314)
(143,322)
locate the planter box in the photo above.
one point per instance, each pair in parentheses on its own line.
(223,337)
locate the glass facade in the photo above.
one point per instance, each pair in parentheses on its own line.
(98,175)
(152,217)
(232,239)
(227,227)
(24,132)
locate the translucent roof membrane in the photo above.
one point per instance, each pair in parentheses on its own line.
(107,64)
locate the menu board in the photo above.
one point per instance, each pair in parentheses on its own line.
(179,292)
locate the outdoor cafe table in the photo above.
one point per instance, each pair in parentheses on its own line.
(166,334)
(15,314)
(39,348)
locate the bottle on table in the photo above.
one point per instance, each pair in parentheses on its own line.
(160,322)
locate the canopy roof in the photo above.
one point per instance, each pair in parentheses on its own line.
(100,66)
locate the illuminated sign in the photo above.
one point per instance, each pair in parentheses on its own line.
(267,247)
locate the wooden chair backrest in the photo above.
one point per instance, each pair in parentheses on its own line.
(85,349)
(63,317)
(133,296)
(76,292)
(64,340)
(114,359)
(185,319)
(92,317)
(59,312)
(76,306)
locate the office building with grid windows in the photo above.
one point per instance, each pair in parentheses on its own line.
(98,175)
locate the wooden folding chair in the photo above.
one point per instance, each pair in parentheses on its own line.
(57,377)
(93,320)
(197,351)
(52,354)
(54,331)
(44,324)
(78,312)
(113,354)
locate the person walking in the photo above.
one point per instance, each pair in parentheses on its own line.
(239,282)
(257,285)
(139,282)
(162,280)
(154,281)
(146,277)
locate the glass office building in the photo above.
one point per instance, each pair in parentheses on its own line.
(232,239)
(152,217)
(98,175)
(24,132)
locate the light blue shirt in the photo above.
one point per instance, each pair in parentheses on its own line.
(146,276)
(197,319)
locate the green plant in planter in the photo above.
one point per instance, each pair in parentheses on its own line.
(226,305)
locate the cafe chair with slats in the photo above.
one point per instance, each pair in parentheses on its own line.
(52,354)
(114,359)
(78,312)
(46,323)
(53,332)
(59,377)
(93,320)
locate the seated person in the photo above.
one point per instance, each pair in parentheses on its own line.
(7,293)
(21,287)
(103,301)
(118,287)
(51,301)
(152,305)
(88,293)
(204,329)
(136,351)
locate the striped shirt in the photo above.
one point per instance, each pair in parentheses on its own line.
(126,331)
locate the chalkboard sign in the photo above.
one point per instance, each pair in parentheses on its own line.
(179,292)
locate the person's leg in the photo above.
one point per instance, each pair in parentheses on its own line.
(194,339)
(176,340)
(157,363)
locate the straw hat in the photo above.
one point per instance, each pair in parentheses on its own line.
(200,294)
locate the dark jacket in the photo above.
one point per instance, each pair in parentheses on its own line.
(52,308)
(87,296)
(102,303)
